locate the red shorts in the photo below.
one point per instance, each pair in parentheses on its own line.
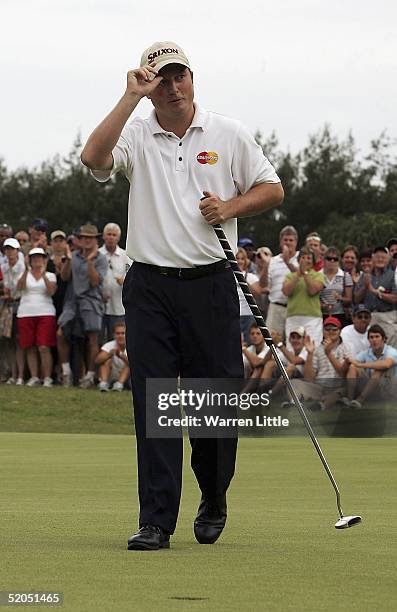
(37,331)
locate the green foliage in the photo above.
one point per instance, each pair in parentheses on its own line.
(329,187)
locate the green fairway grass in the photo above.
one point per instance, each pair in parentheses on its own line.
(72,410)
(68,504)
(65,410)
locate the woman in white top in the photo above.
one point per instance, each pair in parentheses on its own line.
(36,316)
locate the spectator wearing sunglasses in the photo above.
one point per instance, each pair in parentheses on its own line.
(355,335)
(337,293)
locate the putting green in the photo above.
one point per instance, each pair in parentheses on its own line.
(68,505)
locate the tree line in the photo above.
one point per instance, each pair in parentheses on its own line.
(348,198)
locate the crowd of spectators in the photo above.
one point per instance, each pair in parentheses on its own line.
(332,314)
(61,312)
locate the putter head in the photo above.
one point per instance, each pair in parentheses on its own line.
(347,521)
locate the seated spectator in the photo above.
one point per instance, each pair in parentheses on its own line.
(274,275)
(314,243)
(246,317)
(372,371)
(118,265)
(11,270)
(249,247)
(253,354)
(83,307)
(302,289)
(36,316)
(337,294)
(113,362)
(378,291)
(355,335)
(293,360)
(325,368)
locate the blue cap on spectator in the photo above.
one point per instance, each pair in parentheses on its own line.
(40,224)
(360,308)
(243,242)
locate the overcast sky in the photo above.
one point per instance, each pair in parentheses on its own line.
(284,65)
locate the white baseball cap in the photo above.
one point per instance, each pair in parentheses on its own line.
(37,251)
(11,242)
(300,330)
(164,53)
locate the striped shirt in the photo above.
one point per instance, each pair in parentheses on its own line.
(323,366)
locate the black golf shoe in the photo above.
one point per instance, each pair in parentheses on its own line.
(149,537)
(210,519)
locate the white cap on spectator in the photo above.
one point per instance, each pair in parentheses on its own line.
(11,242)
(37,251)
(298,330)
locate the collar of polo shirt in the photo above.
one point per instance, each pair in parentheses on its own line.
(199,121)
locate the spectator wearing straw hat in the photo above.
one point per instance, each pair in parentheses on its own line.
(83,308)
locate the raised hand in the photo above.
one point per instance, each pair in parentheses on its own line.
(143,81)
(309,344)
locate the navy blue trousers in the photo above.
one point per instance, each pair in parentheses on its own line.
(189,328)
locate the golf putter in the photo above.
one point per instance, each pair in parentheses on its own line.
(344,521)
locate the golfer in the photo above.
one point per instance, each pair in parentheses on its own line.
(180,297)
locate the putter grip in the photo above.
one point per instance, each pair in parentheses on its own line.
(243,283)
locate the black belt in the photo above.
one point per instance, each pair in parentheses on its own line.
(189,273)
(279,304)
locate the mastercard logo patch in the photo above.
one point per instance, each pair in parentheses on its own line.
(207,157)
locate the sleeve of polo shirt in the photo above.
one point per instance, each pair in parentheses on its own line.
(122,159)
(249,164)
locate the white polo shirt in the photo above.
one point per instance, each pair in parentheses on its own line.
(167,178)
(118,265)
(276,274)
